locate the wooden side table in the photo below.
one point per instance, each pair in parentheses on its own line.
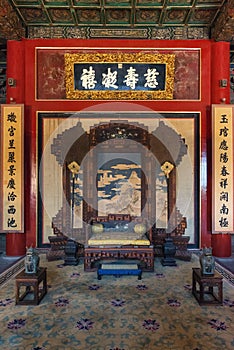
(208,290)
(31,288)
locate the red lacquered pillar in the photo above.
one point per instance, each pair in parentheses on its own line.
(222,245)
(220,74)
(15,71)
(15,242)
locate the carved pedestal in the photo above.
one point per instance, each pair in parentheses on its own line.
(31,284)
(71,250)
(180,242)
(169,250)
(145,255)
(208,290)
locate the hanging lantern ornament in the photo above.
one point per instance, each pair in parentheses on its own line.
(169,248)
(74,168)
(167,168)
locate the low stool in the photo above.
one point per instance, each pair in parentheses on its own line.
(119,269)
(207,289)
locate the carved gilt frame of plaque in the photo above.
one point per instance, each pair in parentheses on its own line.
(142,58)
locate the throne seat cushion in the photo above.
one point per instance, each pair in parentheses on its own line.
(97,228)
(118,230)
(118,239)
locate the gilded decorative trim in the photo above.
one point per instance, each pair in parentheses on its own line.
(118,33)
(141,57)
(156,33)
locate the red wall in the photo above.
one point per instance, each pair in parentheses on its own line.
(21,66)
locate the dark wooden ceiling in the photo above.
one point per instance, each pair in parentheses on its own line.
(160,19)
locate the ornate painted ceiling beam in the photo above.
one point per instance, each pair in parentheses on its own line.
(14,20)
(224,25)
(11,27)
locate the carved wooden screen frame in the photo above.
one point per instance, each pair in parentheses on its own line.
(81,146)
(119,144)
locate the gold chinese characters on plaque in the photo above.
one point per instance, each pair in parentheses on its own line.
(12,165)
(119,76)
(222,168)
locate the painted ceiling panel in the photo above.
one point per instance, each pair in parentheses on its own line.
(91,16)
(147,16)
(203,16)
(175,16)
(86,3)
(35,15)
(57,3)
(205,3)
(26,3)
(118,3)
(118,16)
(58,15)
(180,3)
(149,3)
(118,12)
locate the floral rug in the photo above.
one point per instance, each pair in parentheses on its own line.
(117,313)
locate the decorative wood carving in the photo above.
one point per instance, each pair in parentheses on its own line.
(224,25)
(113,137)
(11,26)
(119,132)
(65,145)
(33,22)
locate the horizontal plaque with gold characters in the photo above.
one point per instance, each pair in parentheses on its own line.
(119,76)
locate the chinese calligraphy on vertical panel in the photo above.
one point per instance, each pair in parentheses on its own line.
(222,168)
(12,174)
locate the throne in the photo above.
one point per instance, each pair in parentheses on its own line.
(119,230)
(128,172)
(119,236)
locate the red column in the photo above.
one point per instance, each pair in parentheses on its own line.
(15,242)
(15,71)
(220,73)
(222,245)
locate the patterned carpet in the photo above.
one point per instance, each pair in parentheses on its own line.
(81,312)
